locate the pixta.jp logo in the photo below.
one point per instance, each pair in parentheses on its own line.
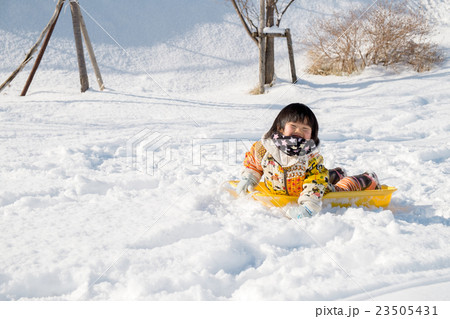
(148,150)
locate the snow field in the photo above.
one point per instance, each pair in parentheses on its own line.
(80,221)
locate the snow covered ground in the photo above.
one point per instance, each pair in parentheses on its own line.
(85,215)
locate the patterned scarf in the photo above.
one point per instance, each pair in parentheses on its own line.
(293,146)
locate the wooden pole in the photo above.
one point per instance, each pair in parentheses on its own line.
(79,45)
(33,49)
(262,46)
(291,55)
(90,50)
(270,45)
(41,52)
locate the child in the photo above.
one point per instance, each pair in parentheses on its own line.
(288,159)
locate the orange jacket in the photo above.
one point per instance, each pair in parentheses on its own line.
(303,176)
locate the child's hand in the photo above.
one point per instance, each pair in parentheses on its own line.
(302,211)
(246,184)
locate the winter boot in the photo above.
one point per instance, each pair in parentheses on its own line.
(368,181)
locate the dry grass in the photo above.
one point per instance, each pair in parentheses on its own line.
(387,34)
(255,91)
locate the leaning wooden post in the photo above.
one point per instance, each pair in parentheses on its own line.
(41,52)
(79,45)
(262,46)
(291,55)
(90,50)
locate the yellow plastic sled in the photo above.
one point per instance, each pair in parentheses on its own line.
(372,198)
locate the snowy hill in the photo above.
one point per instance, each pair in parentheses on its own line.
(82,218)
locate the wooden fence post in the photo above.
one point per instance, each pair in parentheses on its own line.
(79,45)
(291,55)
(90,50)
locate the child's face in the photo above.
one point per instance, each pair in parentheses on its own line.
(297,129)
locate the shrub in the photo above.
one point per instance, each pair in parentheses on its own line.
(334,45)
(386,34)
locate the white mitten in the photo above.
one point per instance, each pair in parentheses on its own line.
(307,209)
(246,184)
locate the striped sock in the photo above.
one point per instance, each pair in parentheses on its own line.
(348,184)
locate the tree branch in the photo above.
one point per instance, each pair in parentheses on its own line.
(279,16)
(241,17)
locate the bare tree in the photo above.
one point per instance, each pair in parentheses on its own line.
(249,14)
